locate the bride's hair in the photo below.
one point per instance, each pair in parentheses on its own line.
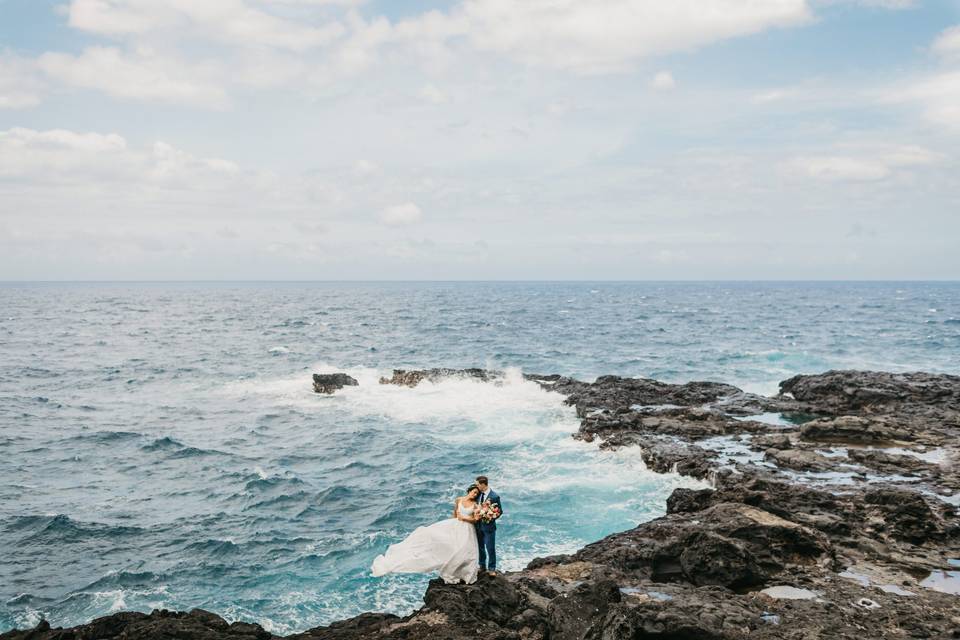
(471,488)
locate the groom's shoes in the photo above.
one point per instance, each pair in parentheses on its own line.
(492,573)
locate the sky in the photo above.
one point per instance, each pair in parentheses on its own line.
(479,140)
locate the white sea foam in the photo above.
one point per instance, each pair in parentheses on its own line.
(505,406)
(28,618)
(513,411)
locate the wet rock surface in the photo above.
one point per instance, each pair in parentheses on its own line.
(822,527)
(197,623)
(330,382)
(413,377)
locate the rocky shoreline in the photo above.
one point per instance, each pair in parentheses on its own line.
(833,514)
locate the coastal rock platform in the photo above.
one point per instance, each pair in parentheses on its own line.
(833,513)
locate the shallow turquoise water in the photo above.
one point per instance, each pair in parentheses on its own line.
(162,446)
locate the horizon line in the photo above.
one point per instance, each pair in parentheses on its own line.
(452,281)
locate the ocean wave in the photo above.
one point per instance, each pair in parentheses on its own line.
(99,598)
(213,548)
(332,494)
(273,483)
(61,528)
(105,437)
(284,501)
(179,450)
(193,452)
(324,503)
(355,466)
(115,579)
(25,599)
(165,443)
(38,372)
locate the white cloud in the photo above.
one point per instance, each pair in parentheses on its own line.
(142,76)
(893,5)
(364,168)
(63,156)
(401,214)
(938,96)
(604,35)
(317,44)
(265,68)
(863,165)
(169,163)
(524,160)
(115,17)
(841,168)
(345,3)
(948,42)
(19,85)
(774,95)
(663,81)
(232,21)
(432,94)
(51,155)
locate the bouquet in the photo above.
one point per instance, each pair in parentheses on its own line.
(488,512)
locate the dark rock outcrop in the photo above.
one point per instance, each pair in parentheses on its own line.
(854,392)
(617,392)
(905,514)
(330,382)
(194,625)
(412,378)
(854,429)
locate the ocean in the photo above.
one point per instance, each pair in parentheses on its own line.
(161,445)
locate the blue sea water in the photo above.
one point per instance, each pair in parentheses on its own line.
(160,444)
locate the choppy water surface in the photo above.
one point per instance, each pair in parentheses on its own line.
(161,446)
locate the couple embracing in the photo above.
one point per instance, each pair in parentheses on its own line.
(459,547)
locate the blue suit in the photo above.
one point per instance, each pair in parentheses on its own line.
(487,536)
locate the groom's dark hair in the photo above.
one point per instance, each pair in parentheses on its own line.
(482,480)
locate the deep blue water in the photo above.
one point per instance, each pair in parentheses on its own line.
(160,445)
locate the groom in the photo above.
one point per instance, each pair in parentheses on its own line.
(487,531)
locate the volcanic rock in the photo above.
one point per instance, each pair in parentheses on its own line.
(330,382)
(854,429)
(412,378)
(848,392)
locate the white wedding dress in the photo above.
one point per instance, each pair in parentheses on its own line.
(449,546)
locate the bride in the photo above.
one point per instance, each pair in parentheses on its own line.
(449,545)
